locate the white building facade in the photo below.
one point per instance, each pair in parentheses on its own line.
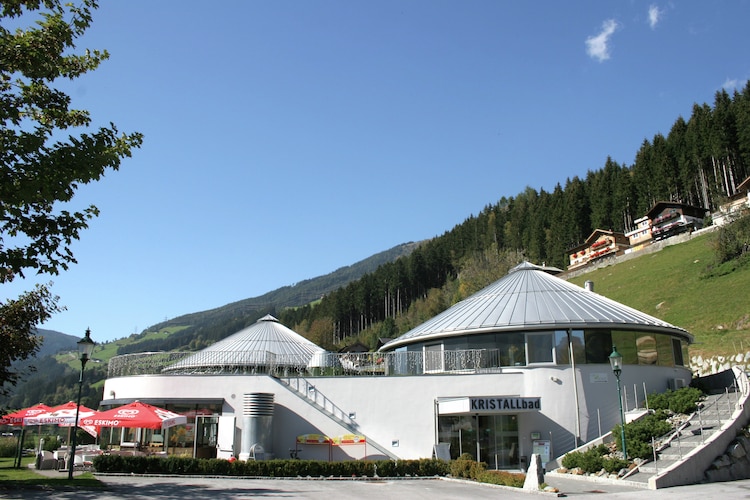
(521,367)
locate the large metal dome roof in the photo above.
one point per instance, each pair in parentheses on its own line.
(266,343)
(526,299)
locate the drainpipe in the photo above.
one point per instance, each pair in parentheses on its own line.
(575,388)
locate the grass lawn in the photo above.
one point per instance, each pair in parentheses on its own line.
(680,285)
(25,477)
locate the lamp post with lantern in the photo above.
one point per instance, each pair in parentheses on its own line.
(615,359)
(85,348)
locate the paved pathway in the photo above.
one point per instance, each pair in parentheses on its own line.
(194,488)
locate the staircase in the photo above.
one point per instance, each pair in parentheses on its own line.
(684,455)
(306,391)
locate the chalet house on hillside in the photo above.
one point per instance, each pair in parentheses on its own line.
(737,204)
(600,244)
(668,219)
(641,234)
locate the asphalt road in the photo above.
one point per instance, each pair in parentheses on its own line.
(194,488)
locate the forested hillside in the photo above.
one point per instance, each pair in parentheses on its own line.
(700,162)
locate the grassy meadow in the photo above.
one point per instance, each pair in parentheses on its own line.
(681,285)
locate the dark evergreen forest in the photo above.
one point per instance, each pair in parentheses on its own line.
(700,162)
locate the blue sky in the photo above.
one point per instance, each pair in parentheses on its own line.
(284,140)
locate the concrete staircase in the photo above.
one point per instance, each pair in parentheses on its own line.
(684,455)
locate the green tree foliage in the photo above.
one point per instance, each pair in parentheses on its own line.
(17,319)
(42,162)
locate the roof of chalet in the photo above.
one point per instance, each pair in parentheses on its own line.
(264,343)
(660,206)
(618,237)
(529,299)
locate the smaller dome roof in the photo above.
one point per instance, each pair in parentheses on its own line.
(265,343)
(527,299)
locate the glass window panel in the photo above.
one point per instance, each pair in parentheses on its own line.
(646,346)
(540,347)
(625,343)
(562,349)
(664,350)
(598,346)
(685,355)
(512,349)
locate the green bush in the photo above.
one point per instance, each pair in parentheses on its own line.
(614,464)
(8,446)
(683,400)
(466,467)
(590,460)
(270,468)
(502,478)
(733,240)
(638,434)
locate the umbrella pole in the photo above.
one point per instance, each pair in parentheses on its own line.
(19,451)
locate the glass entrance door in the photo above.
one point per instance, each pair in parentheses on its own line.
(498,445)
(487,438)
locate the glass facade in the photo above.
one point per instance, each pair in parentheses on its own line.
(548,348)
(487,438)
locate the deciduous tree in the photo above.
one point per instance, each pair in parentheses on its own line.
(47,150)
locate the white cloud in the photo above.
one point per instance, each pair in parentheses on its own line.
(654,16)
(598,46)
(730,84)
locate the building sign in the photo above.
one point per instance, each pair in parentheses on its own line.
(502,403)
(487,405)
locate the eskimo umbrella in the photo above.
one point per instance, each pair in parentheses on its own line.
(135,414)
(16,418)
(63,415)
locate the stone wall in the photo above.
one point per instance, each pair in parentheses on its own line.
(701,366)
(732,465)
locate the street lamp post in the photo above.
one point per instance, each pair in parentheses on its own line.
(85,347)
(615,359)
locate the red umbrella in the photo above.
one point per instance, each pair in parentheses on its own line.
(135,414)
(63,415)
(16,418)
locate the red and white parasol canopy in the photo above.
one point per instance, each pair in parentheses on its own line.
(135,414)
(16,418)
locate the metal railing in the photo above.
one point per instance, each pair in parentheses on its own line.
(319,364)
(310,393)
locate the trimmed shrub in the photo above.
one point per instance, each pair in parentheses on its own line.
(270,468)
(466,467)
(502,478)
(684,400)
(590,460)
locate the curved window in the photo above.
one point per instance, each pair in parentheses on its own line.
(502,349)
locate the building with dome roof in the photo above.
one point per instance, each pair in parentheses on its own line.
(264,346)
(520,367)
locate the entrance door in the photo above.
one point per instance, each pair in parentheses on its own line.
(487,438)
(498,445)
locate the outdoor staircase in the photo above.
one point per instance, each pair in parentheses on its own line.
(684,455)
(309,393)
(716,410)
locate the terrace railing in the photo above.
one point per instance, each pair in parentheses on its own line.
(320,364)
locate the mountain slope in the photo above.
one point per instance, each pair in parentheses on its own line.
(196,330)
